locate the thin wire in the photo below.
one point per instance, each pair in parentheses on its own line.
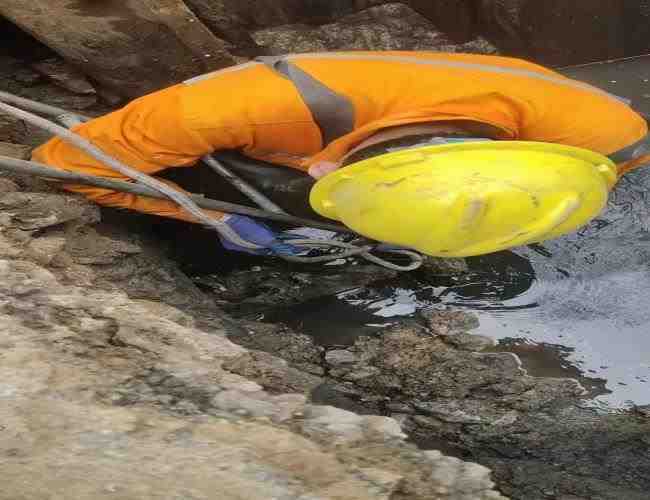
(51,173)
(178,197)
(182,199)
(352,250)
(241,185)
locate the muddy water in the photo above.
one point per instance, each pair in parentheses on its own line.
(578,306)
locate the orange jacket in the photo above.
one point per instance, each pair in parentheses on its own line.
(305,108)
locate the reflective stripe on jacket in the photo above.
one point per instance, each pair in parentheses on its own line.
(300,109)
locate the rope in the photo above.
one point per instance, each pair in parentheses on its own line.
(178,197)
(50,173)
(352,250)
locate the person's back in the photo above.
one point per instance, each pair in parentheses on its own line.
(304,110)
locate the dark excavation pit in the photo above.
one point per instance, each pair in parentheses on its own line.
(573,308)
(576,307)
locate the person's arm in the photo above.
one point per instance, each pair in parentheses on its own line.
(174,128)
(148,134)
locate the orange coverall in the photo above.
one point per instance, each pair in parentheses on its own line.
(302,109)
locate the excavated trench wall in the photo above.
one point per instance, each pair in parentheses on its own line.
(132,47)
(117,368)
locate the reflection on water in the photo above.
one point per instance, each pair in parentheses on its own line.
(578,306)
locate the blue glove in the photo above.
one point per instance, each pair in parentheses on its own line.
(255,232)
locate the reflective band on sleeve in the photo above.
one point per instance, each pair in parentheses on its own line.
(633,151)
(332,112)
(214,74)
(558,80)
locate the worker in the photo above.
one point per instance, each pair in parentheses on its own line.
(449,154)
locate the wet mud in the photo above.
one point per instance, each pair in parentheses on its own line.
(577,307)
(452,389)
(534,362)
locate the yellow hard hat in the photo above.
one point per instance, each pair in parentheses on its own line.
(470,198)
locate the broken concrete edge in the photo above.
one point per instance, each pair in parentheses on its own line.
(140,360)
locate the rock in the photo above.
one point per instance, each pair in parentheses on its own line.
(8,186)
(643,410)
(385,427)
(356,375)
(392,26)
(344,396)
(91,248)
(635,16)
(448,321)
(64,75)
(129,47)
(387,483)
(447,412)
(340,357)
(327,422)
(434,266)
(109,97)
(470,342)
(456,18)
(558,33)
(345,428)
(272,373)
(399,408)
(555,438)
(18,151)
(157,44)
(32,211)
(258,405)
(297,349)
(14,68)
(61,346)
(55,95)
(27,76)
(122,391)
(46,248)
(406,371)
(12,129)
(473,476)
(230,20)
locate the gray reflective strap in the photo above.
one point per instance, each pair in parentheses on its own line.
(559,80)
(633,151)
(332,112)
(274,63)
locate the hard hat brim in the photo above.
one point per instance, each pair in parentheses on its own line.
(398,196)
